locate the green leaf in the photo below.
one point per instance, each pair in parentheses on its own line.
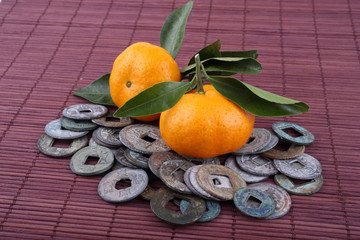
(255,100)
(226,66)
(242,54)
(210,51)
(172,32)
(97,92)
(155,99)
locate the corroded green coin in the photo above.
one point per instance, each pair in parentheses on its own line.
(213,209)
(45,145)
(162,196)
(77,125)
(243,198)
(78,161)
(305,138)
(307,188)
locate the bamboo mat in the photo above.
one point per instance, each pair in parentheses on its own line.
(309,51)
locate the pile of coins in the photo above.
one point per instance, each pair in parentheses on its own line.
(136,153)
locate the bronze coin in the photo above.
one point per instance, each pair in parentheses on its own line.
(162,196)
(148,193)
(120,157)
(157,159)
(293,151)
(208,183)
(172,174)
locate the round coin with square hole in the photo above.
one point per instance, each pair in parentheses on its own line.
(112,122)
(157,159)
(256,164)
(85,111)
(210,184)
(248,177)
(192,183)
(143,138)
(305,138)
(260,138)
(78,161)
(120,157)
(213,210)
(163,195)
(281,198)
(292,151)
(109,136)
(45,145)
(107,187)
(273,142)
(172,174)
(304,167)
(77,125)
(308,188)
(53,129)
(254,202)
(137,159)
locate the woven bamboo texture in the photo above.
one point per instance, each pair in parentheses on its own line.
(309,51)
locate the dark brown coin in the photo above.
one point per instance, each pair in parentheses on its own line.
(112,122)
(143,138)
(162,196)
(148,193)
(172,174)
(292,151)
(157,159)
(209,184)
(45,145)
(308,188)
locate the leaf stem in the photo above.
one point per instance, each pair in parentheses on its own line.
(199,85)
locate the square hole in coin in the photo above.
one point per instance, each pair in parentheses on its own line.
(62,143)
(85,111)
(282,146)
(292,132)
(298,182)
(174,205)
(250,140)
(122,184)
(148,139)
(92,160)
(296,164)
(253,202)
(111,119)
(178,174)
(221,181)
